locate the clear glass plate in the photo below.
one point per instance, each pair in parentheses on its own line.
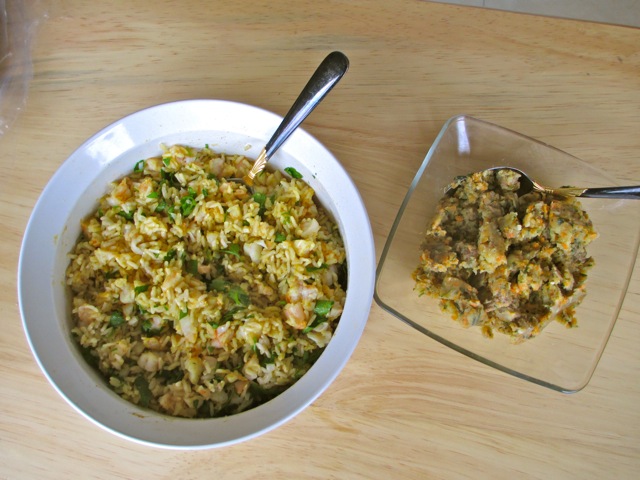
(559,358)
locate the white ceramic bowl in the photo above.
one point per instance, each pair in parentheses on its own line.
(72,193)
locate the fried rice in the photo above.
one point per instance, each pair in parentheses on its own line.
(196,297)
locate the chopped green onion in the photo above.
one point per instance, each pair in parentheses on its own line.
(184,313)
(317,321)
(140,289)
(166,161)
(192,267)
(263,359)
(323,307)
(187,205)
(116,319)
(110,274)
(219,285)
(147,326)
(171,376)
(142,386)
(234,249)
(228,315)
(171,254)
(153,195)
(280,237)
(162,205)
(238,295)
(260,199)
(126,215)
(169,177)
(312,269)
(139,166)
(293,172)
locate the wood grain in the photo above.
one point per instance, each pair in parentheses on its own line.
(405,406)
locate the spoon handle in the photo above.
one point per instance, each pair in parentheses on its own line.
(631,192)
(332,68)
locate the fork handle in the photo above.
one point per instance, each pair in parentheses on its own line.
(631,192)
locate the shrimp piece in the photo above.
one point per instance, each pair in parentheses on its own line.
(303,247)
(329,275)
(295,315)
(188,329)
(91,230)
(266,291)
(145,188)
(301,291)
(194,367)
(152,343)
(221,336)
(87,314)
(241,387)
(118,352)
(150,362)
(153,164)
(254,250)
(204,392)
(121,193)
(216,165)
(125,290)
(169,401)
(210,363)
(336,311)
(252,368)
(309,228)
(308,293)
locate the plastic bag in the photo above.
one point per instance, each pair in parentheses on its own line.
(18,22)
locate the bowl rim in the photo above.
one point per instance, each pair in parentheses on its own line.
(215,432)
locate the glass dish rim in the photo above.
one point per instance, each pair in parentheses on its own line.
(444,341)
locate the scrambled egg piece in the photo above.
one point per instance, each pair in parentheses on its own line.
(504,262)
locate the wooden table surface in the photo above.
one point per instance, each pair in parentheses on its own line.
(404,406)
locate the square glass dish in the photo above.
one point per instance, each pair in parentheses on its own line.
(560,358)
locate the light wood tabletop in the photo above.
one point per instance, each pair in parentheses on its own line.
(405,406)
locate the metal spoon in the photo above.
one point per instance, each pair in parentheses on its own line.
(528,185)
(332,68)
